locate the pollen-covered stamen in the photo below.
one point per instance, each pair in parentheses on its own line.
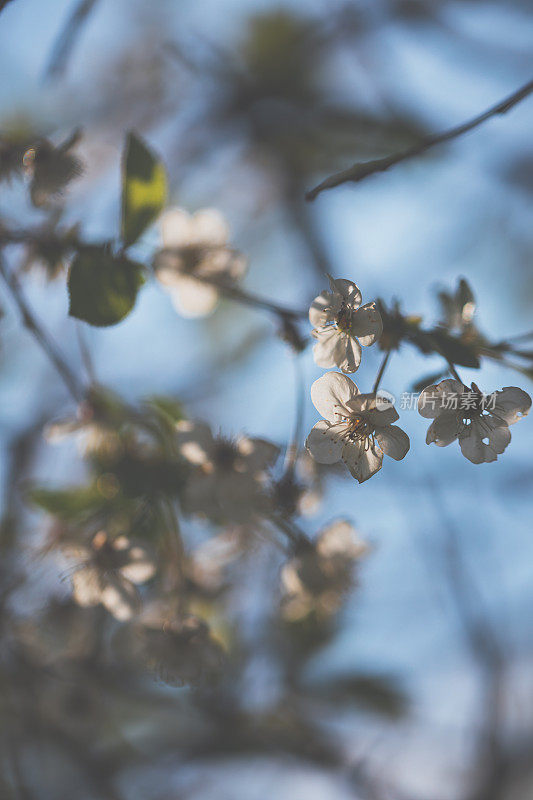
(358,428)
(344,318)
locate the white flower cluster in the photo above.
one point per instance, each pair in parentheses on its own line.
(196,264)
(356,428)
(482,431)
(196,260)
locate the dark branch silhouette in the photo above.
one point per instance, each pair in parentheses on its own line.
(67,39)
(364,169)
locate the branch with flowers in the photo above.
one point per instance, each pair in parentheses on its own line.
(151,469)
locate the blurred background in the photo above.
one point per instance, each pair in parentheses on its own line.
(250,104)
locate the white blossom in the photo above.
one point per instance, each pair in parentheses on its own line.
(353,428)
(342,325)
(229,478)
(317,577)
(479,422)
(91,435)
(106,572)
(195,251)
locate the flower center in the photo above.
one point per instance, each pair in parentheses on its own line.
(190,256)
(344,318)
(472,406)
(358,429)
(106,558)
(224,454)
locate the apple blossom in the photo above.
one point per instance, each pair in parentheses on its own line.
(107,571)
(317,577)
(229,479)
(195,257)
(354,429)
(342,325)
(480,422)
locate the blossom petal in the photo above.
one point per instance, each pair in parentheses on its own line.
(176,228)
(393,441)
(192,298)
(367,324)
(340,538)
(324,443)
(348,291)
(86,587)
(209,228)
(259,453)
(121,598)
(331,393)
(140,568)
(362,461)
(444,429)
(195,441)
(434,399)
(478,451)
(511,404)
(336,349)
(366,406)
(324,309)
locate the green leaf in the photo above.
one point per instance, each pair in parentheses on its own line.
(102,287)
(67,504)
(144,189)
(166,407)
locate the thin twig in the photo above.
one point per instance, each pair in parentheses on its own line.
(85,355)
(294,447)
(453,371)
(295,535)
(248,299)
(39,334)
(521,337)
(67,39)
(382,369)
(299,213)
(362,170)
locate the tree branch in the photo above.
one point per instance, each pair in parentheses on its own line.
(39,334)
(67,39)
(362,170)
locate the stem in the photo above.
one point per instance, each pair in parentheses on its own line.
(521,337)
(362,170)
(381,371)
(299,213)
(294,446)
(293,533)
(240,296)
(68,37)
(39,334)
(454,372)
(85,355)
